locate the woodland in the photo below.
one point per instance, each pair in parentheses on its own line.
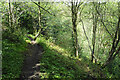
(71,40)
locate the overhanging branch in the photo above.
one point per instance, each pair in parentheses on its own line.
(43,8)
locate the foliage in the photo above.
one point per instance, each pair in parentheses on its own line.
(12,57)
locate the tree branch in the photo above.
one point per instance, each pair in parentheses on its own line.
(43,8)
(102,21)
(67,4)
(117,52)
(80,3)
(86,36)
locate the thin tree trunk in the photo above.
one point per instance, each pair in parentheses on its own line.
(39,31)
(10,18)
(94,35)
(86,36)
(39,16)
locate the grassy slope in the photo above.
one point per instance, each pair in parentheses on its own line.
(57,63)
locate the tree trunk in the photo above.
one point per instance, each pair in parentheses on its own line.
(75,37)
(74,24)
(39,16)
(94,35)
(111,58)
(10,18)
(39,31)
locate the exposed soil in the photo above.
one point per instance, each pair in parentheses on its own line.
(31,67)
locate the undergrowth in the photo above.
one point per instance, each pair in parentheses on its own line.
(12,57)
(56,65)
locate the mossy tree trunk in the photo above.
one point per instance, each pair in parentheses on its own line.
(74,8)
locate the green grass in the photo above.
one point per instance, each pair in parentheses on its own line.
(57,63)
(12,59)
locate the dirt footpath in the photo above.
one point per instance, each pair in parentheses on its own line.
(31,67)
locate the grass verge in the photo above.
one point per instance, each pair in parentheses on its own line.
(12,59)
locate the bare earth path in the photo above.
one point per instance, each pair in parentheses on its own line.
(31,65)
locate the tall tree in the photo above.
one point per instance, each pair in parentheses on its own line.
(75,5)
(94,33)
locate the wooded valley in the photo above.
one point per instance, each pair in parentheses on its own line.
(66,40)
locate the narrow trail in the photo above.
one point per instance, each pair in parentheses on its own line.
(31,67)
